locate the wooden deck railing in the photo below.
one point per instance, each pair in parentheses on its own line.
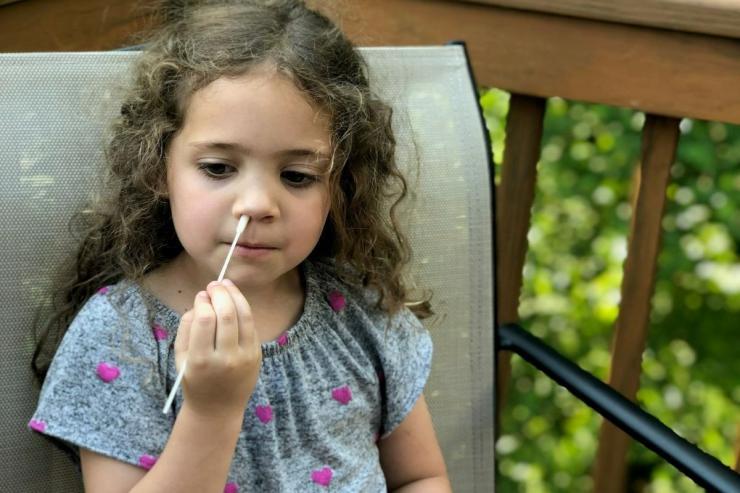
(668,58)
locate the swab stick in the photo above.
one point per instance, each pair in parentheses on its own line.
(240,227)
(239,230)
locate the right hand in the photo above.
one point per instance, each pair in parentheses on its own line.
(224,355)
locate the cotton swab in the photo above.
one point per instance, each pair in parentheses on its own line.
(239,230)
(240,227)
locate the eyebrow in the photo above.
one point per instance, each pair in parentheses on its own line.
(232,146)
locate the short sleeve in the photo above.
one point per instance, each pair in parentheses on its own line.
(406,360)
(104,389)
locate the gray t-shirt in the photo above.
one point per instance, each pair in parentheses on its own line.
(343,377)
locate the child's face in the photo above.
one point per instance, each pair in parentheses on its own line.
(250,145)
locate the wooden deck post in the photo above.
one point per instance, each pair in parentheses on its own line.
(514,198)
(659,141)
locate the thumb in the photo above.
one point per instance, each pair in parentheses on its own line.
(182,340)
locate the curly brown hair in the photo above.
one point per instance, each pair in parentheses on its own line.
(129,230)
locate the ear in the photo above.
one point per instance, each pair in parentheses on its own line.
(159,187)
(161,192)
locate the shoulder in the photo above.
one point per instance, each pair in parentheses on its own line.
(112,300)
(356,306)
(114,312)
(333,285)
(115,301)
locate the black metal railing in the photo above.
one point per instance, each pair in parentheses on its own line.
(701,467)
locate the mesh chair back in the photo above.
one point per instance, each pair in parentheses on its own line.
(54,113)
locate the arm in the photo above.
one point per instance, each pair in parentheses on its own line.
(197,458)
(411,458)
(224,358)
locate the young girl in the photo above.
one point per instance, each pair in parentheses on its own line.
(304,369)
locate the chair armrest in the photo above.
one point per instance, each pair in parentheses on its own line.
(701,467)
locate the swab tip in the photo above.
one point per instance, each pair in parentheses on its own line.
(241,226)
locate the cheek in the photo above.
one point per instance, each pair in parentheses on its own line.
(325,209)
(311,218)
(192,215)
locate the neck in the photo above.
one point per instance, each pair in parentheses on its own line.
(275,307)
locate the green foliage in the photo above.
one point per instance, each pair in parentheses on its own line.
(571,294)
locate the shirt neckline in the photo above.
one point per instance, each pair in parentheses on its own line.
(290,337)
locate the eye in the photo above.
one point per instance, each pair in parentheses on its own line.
(298,179)
(216,171)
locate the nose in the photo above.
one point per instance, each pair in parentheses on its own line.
(257,199)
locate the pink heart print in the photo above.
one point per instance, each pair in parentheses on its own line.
(37,425)
(322,476)
(264,413)
(342,394)
(103,290)
(336,300)
(147,461)
(108,373)
(160,333)
(282,340)
(231,488)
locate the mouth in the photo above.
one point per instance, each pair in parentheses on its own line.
(255,246)
(253,251)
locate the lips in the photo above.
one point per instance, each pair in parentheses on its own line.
(253,251)
(255,245)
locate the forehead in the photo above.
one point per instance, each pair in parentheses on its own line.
(262,110)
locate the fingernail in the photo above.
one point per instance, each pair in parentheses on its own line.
(227,282)
(203,294)
(212,283)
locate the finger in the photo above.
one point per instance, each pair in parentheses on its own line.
(203,327)
(247,334)
(227,330)
(182,340)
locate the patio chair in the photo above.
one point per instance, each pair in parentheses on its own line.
(54,111)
